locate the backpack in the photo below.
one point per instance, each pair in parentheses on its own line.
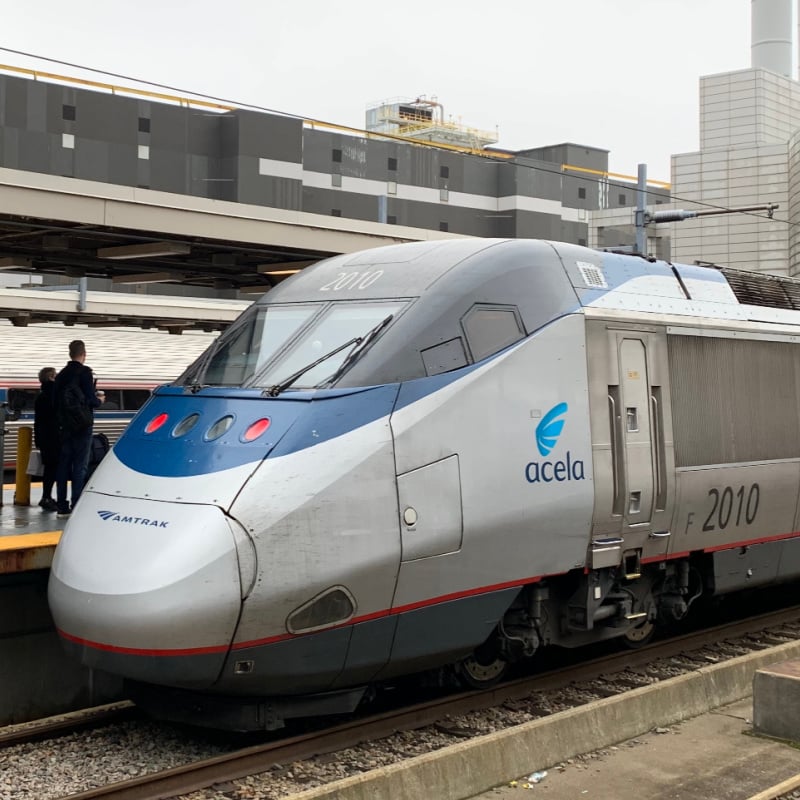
(74,414)
(100,446)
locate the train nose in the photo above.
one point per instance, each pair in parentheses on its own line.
(148,590)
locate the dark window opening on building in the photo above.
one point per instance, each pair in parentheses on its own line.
(582,192)
(623,200)
(336,212)
(392,164)
(444,226)
(144,125)
(444,172)
(68,112)
(336,155)
(391,220)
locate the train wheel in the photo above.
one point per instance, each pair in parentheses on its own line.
(484,668)
(640,635)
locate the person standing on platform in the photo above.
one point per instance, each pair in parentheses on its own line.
(75,400)
(46,436)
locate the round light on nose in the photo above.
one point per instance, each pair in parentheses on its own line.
(185,425)
(255,430)
(219,427)
(156,423)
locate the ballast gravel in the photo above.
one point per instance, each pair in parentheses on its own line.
(81,761)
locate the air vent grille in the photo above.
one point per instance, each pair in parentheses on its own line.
(756,289)
(592,276)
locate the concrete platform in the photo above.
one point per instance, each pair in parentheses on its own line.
(712,756)
(776,701)
(703,751)
(28,535)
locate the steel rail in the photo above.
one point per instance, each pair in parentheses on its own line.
(69,723)
(251,760)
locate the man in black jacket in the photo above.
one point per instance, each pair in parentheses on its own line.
(75,399)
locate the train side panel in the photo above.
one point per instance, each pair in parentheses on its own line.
(516,431)
(737,397)
(720,467)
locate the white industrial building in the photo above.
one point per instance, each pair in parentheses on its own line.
(749,155)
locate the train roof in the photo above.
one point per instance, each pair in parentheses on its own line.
(599,279)
(119,355)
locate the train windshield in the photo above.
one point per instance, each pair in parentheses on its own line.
(275,341)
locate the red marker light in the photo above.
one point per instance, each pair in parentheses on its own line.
(255,430)
(156,423)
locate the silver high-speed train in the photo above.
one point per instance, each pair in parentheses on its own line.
(438,453)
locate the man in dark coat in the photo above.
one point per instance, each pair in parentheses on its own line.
(46,435)
(75,444)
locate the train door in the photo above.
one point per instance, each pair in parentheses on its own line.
(635,433)
(631,445)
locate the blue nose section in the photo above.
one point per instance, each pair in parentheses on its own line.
(179,434)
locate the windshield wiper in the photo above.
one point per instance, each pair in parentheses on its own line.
(360,347)
(196,378)
(275,390)
(363,341)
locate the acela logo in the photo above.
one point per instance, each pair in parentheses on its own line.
(549,429)
(548,432)
(112,516)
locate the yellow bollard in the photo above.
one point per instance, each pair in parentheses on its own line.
(22,493)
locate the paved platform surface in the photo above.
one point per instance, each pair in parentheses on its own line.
(712,756)
(19,520)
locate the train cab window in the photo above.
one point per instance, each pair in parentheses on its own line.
(247,348)
(491,328)
(336,326)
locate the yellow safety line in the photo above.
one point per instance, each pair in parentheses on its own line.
(29,541)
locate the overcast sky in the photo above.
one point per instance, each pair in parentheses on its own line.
(617,74)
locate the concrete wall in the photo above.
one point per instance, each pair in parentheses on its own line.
(37,678)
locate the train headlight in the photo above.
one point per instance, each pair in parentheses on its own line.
(255,430)
(221,426)
(156,423)
(185,425)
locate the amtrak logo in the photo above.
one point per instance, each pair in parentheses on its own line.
(548,432)
(549,429)
(112,516)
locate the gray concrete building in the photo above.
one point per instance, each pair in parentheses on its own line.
(284,162)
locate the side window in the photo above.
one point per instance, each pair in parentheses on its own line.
(134,399)
(112,401)
(491,328)
(22,400)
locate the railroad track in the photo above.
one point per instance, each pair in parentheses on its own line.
(729,640)
(64,725)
